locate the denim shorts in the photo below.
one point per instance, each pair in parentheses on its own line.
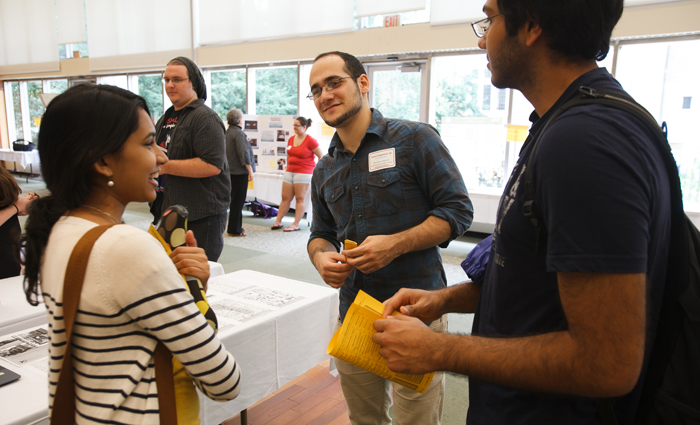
(296,178)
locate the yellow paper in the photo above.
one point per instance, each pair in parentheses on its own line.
(251,185)
(517,133)
(272,164)
(353,343)
(349,245)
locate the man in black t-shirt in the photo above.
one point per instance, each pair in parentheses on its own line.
(196,174)
(556,329)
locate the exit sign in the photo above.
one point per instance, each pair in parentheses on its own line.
(392,21)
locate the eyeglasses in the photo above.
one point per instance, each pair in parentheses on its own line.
(174,80)
(296,125)
(481,26)
(330,86)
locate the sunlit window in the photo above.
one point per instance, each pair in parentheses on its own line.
(36,108)
(475,132)
(275,90)
(150,88)
(228,91)
(668,80)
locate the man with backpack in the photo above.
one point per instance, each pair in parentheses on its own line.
(568,311)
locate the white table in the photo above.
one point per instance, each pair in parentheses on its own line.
(15,312)
(22,158)
(274,348)
(267,188)
(271,349)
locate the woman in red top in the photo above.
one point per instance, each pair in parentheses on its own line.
(297,179)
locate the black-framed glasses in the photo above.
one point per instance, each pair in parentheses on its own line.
(174,80)
(481,26)
(330,86)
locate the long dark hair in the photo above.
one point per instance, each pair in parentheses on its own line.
(78,128)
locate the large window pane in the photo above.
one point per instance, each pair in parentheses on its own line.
(58,86)
(670,90)
(397,94)
(36,108)
(228,91)
(471,116)
(276,91)
(151,89)
(16,106)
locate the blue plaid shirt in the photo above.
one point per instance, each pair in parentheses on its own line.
(350,202)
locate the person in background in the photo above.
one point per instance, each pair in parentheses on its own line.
(197,175)
(98,154)
(11,207)
(391,186)
(297,178)
(239,154)
(558,327)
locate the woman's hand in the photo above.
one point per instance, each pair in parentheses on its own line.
(23,203)
(191,260)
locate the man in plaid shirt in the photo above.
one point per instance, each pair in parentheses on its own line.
(391,186)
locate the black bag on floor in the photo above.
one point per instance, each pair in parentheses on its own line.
(671,391)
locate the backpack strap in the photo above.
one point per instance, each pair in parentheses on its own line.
(63,411)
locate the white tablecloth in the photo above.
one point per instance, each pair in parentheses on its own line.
(15,312)
(271,349)
(21,158)
(274,348)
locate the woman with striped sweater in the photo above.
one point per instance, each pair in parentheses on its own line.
(98,154)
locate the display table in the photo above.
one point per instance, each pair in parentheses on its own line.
(277,346)
(268,190)
(15,312)
(286,333)
(22,158)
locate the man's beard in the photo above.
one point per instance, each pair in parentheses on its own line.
(351,112)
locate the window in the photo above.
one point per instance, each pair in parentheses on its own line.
(396,93)
(36,108)
(58,86)
(151,88)
(275,90)
(474,132)
(228,91)
(16,112)
(669,78)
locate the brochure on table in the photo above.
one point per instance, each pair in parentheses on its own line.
(269,137)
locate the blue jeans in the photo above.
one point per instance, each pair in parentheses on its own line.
(209,232)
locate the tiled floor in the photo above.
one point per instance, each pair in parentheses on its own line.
(284,254)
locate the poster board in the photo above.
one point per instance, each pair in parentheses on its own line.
(269,136)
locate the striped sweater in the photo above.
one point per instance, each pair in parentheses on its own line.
(132,298)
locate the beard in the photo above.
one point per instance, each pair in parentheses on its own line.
(354,107)
(510,67)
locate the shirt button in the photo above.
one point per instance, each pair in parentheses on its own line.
(383,181)
(354,160)
(360,216)
(332,196)
(357,187)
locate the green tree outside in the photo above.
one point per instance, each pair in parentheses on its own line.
(457,98)
(151,89)
(228,91)
(276,91)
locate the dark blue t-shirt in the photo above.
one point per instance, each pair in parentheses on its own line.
(604,198)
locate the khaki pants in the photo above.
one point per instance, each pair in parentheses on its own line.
(369,399)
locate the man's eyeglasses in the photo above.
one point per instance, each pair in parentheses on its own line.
(330,86)
(481,26)
(174,80)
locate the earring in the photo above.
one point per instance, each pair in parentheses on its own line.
(110,183)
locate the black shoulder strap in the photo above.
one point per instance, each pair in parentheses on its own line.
(615,99)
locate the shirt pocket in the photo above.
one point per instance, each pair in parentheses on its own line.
(385,192)
(338,203)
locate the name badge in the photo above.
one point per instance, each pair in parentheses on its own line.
(380,160)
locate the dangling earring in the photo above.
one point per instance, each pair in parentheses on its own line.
(110,183)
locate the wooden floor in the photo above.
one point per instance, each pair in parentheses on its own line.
(313,398)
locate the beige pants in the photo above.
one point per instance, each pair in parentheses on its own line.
(369,399)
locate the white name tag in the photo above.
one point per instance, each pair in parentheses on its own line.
(380,160)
